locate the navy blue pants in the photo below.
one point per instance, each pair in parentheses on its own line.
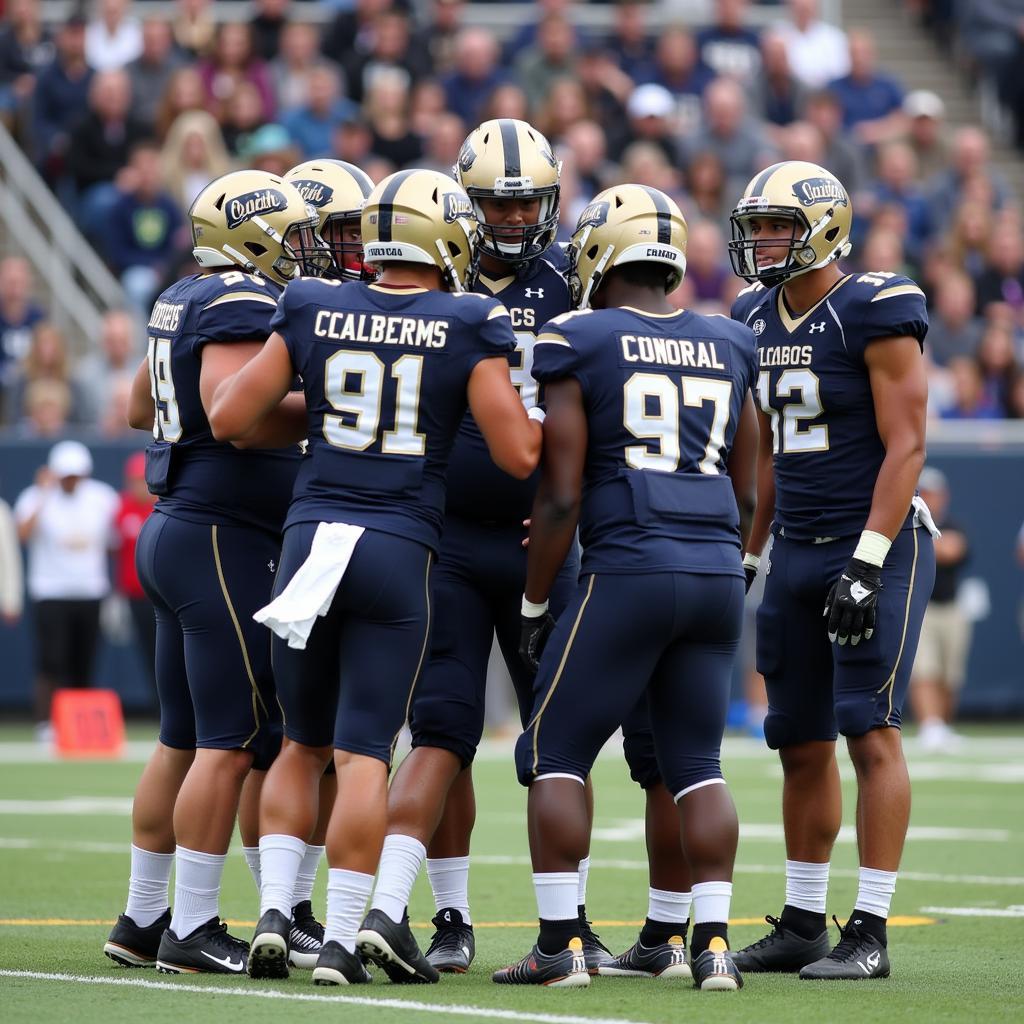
(213,673)
(667,638)
(352,685)
(817,689)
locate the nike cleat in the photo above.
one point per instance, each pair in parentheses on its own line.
(453,945)
(664,960)
(268,956)
(392,947)
(715,971)
(305,938)
(566,969)
(857,955)
(597,954)
(130,945)
(208,950)
(781,950)
(337,966)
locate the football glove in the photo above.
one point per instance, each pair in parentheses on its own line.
(852,601)
(751,563)
(533,635)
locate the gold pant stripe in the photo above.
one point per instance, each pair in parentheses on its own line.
(890,683)
(423,655)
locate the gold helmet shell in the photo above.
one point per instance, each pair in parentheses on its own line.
(509,159)
(421,216)
(625,224)
(814,200)
(258,222)
(338,191)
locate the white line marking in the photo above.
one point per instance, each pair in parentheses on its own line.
(445,1009)
(628,830)
(1017,911)
(84,805)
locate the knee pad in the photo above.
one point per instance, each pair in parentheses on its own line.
(267,746)
(778,730)
(856,713)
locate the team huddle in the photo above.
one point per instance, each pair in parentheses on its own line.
(357,404)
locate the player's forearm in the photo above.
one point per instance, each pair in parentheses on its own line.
(286,425)
(895,485)
(764,511)
(141,410)
(552,532)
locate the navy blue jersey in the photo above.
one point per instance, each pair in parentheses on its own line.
(197,478)
(477,489)
(813,384)
(663,395)
(385,374)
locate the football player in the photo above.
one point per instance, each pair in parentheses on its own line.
(207,558)
(388,369)
(842,393)
(643,403)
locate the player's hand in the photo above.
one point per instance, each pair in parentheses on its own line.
(526,539)
(751,563)
(533,635)
(852,601)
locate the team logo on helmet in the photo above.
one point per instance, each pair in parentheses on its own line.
(251,204)
(820,190)
(594,214)
(467,156)
(456,206)
(545,151)
(314,192)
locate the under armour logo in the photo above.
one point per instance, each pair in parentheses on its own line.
(534,293)
(271,565)
(818,328)
(447,916)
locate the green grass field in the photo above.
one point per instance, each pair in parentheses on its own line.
(64,830)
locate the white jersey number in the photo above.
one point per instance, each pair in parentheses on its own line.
(796,435)
(521,369)
(167,421)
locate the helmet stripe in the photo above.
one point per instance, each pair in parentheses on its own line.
(385,208)
(762,182)
(510,145)
(663,212)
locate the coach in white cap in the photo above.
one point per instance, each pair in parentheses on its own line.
(66,521)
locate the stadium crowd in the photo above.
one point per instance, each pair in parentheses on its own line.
(128,114)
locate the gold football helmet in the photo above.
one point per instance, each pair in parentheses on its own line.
(625,224)
(818,206)
(257,221)
(420,216)
(510,159)
(337,190)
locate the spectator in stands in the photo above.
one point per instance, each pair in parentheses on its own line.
(969,400)
(707,187)
(184,92)
(953,329)
(192,156)
(941,662)
(151,73)
(818,52)
(231,64)
(707,265)
(841,156)
(426,105)
(19,314)
(194,27)
(507,100)
(299,54)
(352,142)
(588,146)
(550,57)
(476,74)
(65,519)
(312,124)
(115,358)
(883,250)
(606,89)
(998,366)
(969,235)
(779,92)
(629,43)
(46,360)
(242,117)
(268,23)
(1002,279)
(113,38)
(269,149)
(46,407)
(526,35)
(392,50)
(872,101)
(800,140)
(387,109)
(645,163)
(678,68)
(970,159)
(897,184)
(565,105)
(354,27)
(729,46)
(12,585)
(651,110)
(925,115)
(443,25)
(25,49)
(441,145)
(1017,398)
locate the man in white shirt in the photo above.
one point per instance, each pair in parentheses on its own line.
(66,520)
(818,52)
(113,38)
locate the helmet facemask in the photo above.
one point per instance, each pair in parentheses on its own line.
(518,243)
(347,256)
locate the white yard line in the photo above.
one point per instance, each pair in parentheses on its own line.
(1017,911)
(444,1009)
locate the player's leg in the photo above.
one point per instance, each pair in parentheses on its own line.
(871,683)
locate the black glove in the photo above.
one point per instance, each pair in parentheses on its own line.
(851,605)
(750,571)
(533,635)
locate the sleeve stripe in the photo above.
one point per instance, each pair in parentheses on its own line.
(898,289)
(241,297)
(496,312)
(551,339)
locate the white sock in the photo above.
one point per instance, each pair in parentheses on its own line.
(280,857)
(400,863)
(556,895)
(347,893)
(252,858)
(306,877)
(449,880)
(581,888)
(874,891)
(711,902)
(196,889)
(668,907)
(806,885)
(147,885)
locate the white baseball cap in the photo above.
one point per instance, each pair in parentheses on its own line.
(924,103)
(69,458)
(650,100)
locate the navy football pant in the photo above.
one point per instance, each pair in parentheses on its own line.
(213,672)
(817,689)
(669,638)
(352,685)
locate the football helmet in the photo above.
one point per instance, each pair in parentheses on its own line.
(510,159)
(420,216)
(337,190)
(258,222)
(625,224)
(814,200)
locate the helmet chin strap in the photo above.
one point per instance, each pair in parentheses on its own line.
(596,275)
(449,268)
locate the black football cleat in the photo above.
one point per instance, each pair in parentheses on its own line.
(305,938)
(268,955)
(781,950)
(858,955)
(337,966)
(208,950)
(392,947)
(663,960)
(715,971)
(566,969)
(453,945)
(130,945)
(597,954)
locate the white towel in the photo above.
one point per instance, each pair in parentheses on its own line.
(923,515)
(293,613)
